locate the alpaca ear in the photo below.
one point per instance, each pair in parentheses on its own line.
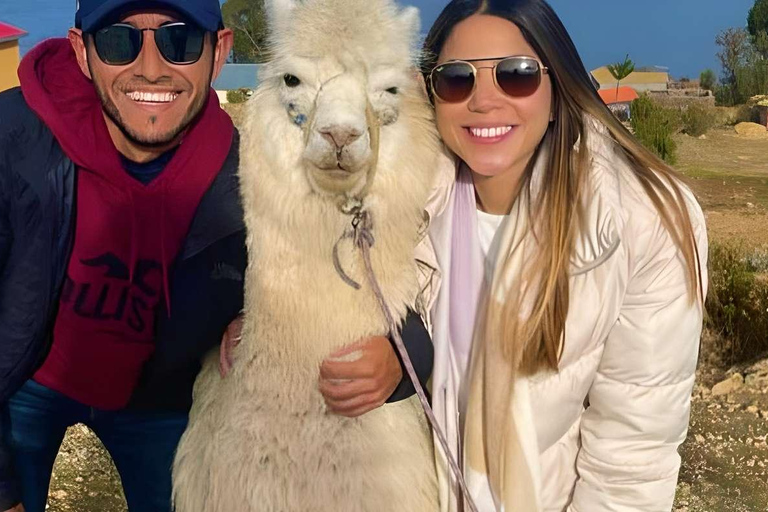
(279,11)
(410,19)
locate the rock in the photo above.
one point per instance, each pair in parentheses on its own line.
(756,380)
(729,385)
(751,130)
(700,439)
(752,409)
(750,205)
(702,137)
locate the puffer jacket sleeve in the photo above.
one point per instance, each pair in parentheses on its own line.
(639,403)
(9,492)
(5,224)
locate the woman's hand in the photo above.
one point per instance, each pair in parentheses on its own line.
(361,377)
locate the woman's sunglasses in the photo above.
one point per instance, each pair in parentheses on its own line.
(178,43)
(455,81)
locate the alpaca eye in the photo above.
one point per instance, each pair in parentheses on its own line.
(291,81)
(393,90)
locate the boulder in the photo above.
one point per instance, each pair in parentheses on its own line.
(729,385)
(752,130)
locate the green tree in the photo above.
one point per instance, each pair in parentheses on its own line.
(745,70)
(757,25)
(734,52)
(248,21)
(621,70)
(734,55)
(707,80)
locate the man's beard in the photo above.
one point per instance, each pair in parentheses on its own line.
(160,140)
(157,140)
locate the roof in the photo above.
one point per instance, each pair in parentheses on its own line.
(237,76)
(624,94)
(10,33)
(604,76)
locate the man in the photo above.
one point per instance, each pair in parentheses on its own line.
(122,247)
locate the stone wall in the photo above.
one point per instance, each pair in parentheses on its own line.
(682,100)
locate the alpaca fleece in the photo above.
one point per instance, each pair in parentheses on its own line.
(261,439)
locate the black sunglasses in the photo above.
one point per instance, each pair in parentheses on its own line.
(455,81)
(178,43)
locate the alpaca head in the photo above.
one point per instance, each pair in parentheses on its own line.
(342,71)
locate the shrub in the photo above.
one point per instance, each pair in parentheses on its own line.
(654,126)
(725,96)
(726,116)
(708,79)
(748,81)
(239,95)
(737,301)
(698,120)
(746,114)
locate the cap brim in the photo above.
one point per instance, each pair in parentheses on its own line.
(111,11)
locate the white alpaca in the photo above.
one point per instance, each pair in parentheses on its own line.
(339,115)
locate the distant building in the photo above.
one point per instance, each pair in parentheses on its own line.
(9,55)
(619,100)
(640,81)
(235,76)
(623,94)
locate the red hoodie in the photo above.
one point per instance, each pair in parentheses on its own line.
(127,234)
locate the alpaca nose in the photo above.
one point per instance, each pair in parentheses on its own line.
(341,136)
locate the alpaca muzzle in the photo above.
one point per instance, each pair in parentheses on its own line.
(343,155)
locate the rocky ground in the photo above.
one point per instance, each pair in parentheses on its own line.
(725,458)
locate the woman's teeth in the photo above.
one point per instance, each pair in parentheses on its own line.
(152,97)
(490,133)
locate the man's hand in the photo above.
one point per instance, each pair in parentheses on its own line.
(361,377)
(229,341)
(17,508)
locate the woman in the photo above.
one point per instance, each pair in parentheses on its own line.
(567,325)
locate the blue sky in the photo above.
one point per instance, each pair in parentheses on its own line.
(678,34)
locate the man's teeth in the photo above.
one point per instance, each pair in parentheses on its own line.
(153,97)
(489,133)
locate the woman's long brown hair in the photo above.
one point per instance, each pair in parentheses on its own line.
(533,343)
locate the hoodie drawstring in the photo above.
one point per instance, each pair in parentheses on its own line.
(164,263)
(134,237)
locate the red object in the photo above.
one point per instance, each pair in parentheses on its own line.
(625,94)
(127,234)
(10,33)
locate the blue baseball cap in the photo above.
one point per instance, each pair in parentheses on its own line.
(93,15)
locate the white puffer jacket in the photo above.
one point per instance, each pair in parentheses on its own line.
(603,432)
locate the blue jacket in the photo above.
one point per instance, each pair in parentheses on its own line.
(37,213)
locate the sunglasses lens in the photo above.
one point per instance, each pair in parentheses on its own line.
(518,77)
(117,45)
(453,82)
(180,43)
